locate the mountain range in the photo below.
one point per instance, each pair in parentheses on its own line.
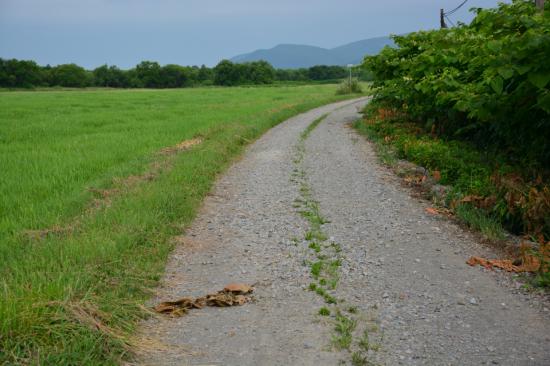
(293,56)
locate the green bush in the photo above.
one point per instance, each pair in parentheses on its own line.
(349,87)
(487,82)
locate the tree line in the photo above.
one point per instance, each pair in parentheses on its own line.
(149,74)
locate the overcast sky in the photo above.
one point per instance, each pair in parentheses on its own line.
(188,32)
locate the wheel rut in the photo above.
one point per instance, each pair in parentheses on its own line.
(401,275)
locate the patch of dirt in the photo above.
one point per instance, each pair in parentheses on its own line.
(182,146)
(36,235)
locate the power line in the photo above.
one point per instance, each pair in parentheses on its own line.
(456,9)
(445,15)
(450,21)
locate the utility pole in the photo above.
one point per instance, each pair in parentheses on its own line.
(442,18)
(350,66)
(540,4)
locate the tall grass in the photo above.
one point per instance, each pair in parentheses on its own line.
(72,293)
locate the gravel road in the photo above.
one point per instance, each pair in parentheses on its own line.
(402,276)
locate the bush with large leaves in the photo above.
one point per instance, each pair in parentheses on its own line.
(487,82)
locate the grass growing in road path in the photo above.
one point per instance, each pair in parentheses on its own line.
(344,328)
(93,186)
(325,268)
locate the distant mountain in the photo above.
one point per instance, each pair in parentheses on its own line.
(293,56)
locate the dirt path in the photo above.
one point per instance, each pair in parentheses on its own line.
(396,274)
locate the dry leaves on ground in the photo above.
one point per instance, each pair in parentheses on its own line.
(439,211)
(432,211)
(528,263)
(234,294)
(504,264)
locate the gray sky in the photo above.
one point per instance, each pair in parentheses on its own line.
(124,32)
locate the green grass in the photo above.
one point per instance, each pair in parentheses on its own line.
(480,221)
(305,134)
(358,359)
(316,269)
(344,328)
(460,164)
(315,246)
(75,295)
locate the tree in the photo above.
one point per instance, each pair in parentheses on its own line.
(205,75)
(226,73)
(110,77)
(230,74)
(70,75)
(173,76)
(148,73)
(21,74)
(260,72)
(323,72)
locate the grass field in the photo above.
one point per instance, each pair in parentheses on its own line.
(91,194)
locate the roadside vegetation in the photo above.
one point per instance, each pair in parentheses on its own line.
(472,105)
(94,185)
(350,86)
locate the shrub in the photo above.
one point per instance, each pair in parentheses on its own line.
(487,82)
(347,87)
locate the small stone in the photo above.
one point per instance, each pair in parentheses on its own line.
(473,301)
(417,260)
(491,349)
(385,295)
(442,266)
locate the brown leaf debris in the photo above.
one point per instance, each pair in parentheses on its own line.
(234,294)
